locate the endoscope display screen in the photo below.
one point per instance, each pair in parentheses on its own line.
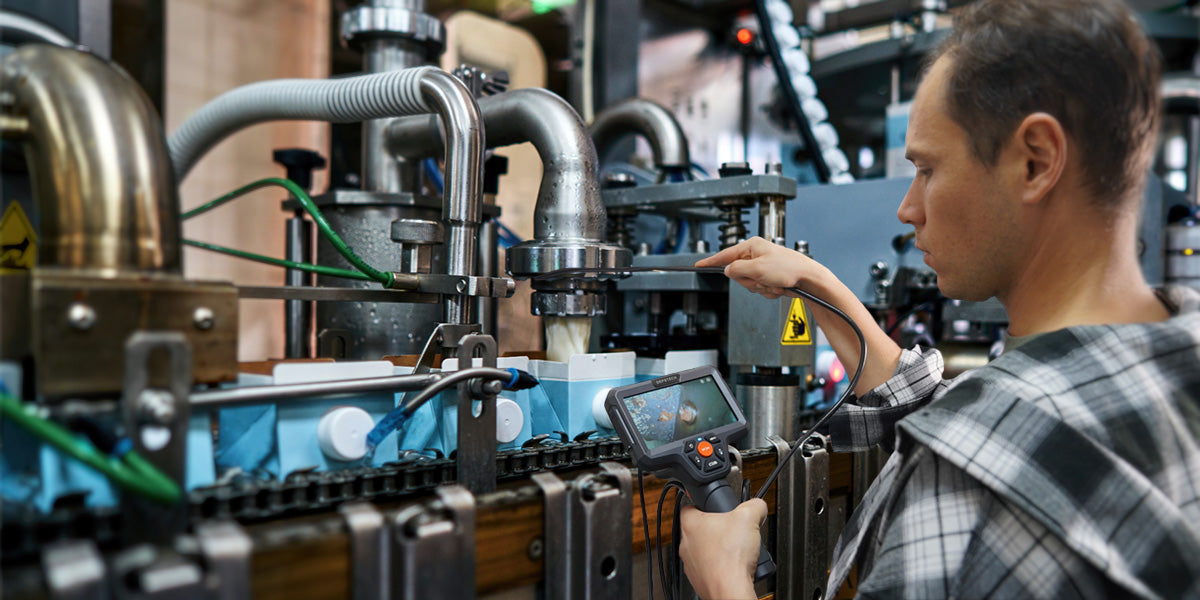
(679,411)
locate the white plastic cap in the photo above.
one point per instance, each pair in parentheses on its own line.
(342,433)
(509,420)
(598,412)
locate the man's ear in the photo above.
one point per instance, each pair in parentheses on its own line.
(1040,144)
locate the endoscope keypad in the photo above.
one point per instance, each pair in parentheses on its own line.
(706,453)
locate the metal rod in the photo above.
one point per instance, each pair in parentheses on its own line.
(271,393)
(297,314)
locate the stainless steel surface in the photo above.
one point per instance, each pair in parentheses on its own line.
(772,217)
(108,205)
(486,308)
(16,28)
(435,283)
(802,520)
(404,19)
(94,357)
(587,534)
(475,459)
(569,205)
(370,577)
(337,294)
(433,547)
(649,119)
(74,571)
(462,128)
(769,410)
(298,314)
(555,533)
(144,519)
(265,394)
(226,549)
(568,304)
(532,258)
(756,330)
(378,326)
(696,198)
(671,281)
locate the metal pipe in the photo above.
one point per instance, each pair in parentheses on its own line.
(569,206)
(485,306)
(652,121)
(297,314)
(98,161)
(19,29)
(382,173)
(271,393)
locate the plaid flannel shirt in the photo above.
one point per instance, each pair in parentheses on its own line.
(1067,468)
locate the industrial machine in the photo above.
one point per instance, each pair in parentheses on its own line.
(392,451)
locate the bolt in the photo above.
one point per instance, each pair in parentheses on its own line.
(203,318)
(536,548)
(879,270)
(81,316)
(156,406)
(461,286)
(701,247)
(802,247)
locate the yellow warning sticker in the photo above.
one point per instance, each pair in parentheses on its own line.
(798,329)
(18,242)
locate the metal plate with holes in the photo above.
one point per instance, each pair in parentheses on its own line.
(802,520)
(587,533)
(433,547)
(476,455)
(370,577)
(80,325)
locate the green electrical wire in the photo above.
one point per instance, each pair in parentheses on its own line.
(130,472)
(310,207)
(279,262)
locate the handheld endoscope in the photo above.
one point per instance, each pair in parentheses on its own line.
(678,426)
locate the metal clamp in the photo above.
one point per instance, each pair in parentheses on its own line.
(74,571)
(454,285)
(369,563)
(155,411)
(802,519)
(476,456)
(226,549)
(433,547)
(587,534)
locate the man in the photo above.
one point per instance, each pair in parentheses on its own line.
(1069,466)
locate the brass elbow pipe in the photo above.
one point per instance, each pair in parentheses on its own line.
(98,160)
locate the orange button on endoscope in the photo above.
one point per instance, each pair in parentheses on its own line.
(704,448)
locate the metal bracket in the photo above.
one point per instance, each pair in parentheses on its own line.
(154,412)
(476,456)
(433,547)
(74,571)
(226,549)
(144,572)
(587,534)
(369,562)
(802,519)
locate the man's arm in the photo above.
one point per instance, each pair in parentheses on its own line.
(768,269)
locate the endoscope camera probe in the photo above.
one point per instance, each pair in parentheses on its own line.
(679,426)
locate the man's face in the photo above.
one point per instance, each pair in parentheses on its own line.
(964,212)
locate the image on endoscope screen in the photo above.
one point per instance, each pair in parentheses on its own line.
(679,411)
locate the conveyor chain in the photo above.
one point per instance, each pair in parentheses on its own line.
(302,492)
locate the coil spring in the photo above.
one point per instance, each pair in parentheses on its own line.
(620,230)
(733,230)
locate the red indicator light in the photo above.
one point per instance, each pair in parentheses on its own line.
(745,36)
(836,371)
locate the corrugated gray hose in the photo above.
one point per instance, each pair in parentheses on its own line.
(347,100)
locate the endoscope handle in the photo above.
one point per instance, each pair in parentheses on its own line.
(718,497)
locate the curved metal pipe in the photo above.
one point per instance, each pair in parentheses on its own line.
(98,161)
(569,206)
(652,121)
(21,29)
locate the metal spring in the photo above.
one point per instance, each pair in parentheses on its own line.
(734,229)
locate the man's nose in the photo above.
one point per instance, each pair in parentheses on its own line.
(910,212)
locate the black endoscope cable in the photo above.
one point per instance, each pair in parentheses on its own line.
(825,418)
(862,342)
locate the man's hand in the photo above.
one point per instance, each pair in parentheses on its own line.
(766,268)
(720,550)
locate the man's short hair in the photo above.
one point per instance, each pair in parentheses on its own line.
(1086,62)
